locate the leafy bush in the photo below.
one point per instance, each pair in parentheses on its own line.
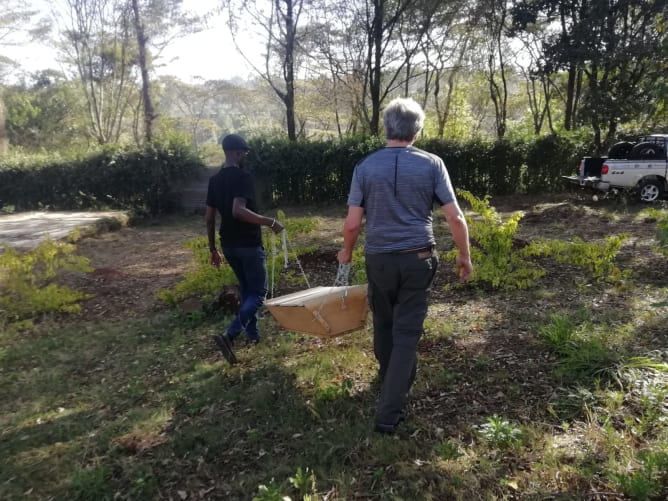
(503,262)
(596,257)
(143,181)
(26,288)
(495,261)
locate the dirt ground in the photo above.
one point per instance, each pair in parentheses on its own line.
(132,264)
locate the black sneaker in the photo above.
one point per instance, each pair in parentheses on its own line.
(389,429)
(252,341)
(386,429)
(224,344)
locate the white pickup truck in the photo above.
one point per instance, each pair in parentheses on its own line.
(640,168)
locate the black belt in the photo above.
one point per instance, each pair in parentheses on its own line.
(421,250)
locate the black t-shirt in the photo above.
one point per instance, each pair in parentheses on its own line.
(228,184)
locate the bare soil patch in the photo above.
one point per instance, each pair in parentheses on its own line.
(131,265)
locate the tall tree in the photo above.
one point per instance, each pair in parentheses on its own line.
(17,21)
(494,15)
(147,101)
(372,47)
(610,49)
(156,24)
(444,49)
(99,40)
(278,22)
(45,113)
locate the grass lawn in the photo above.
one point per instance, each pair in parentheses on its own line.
(559,391)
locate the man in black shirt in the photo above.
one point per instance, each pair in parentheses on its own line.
(232,194)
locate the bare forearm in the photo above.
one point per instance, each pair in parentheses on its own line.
(352,228)
(350,236)
(248,216)
(211,233)
(460,235)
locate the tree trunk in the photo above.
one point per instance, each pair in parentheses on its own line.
(570,97)
(4,139)
(375,70)
(289,72)
(149,111)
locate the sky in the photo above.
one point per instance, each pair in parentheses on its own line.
(209,54)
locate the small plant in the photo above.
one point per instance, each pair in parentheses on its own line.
(501,433)
(496,263)
(304,482)
(584,352)
(91,484)
(205,281)
(662,233)
(558,333)
(447,450)
(596,257)
(334,392)
(647,482)
(271,492)
(26,281)
(481,362)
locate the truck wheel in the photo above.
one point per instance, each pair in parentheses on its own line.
(620,150)
(647,151)
(650,190)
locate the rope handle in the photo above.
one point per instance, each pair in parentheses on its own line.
(342,272)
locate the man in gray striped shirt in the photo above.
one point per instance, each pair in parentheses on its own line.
(395,189)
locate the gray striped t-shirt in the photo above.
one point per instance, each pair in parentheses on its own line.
(397,187)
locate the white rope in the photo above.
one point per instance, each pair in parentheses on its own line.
(273,263)
(342,271)
(284,239)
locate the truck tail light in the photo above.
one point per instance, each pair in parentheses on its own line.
(604,169)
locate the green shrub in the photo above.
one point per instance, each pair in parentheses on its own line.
(595,257)
(204,282)
(144,181)
(494,259)
(649,481)
(26,281)
(502,262)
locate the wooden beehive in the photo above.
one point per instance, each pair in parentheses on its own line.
(322,311)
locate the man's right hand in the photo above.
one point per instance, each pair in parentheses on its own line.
(216,260)
(276,227)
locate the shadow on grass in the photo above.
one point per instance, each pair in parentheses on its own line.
(152,411)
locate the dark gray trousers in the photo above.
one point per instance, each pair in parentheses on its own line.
(399,287)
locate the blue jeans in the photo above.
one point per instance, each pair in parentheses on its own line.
(250,267)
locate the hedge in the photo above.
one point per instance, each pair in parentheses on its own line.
(143,181)
(287,173)
(320,172)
